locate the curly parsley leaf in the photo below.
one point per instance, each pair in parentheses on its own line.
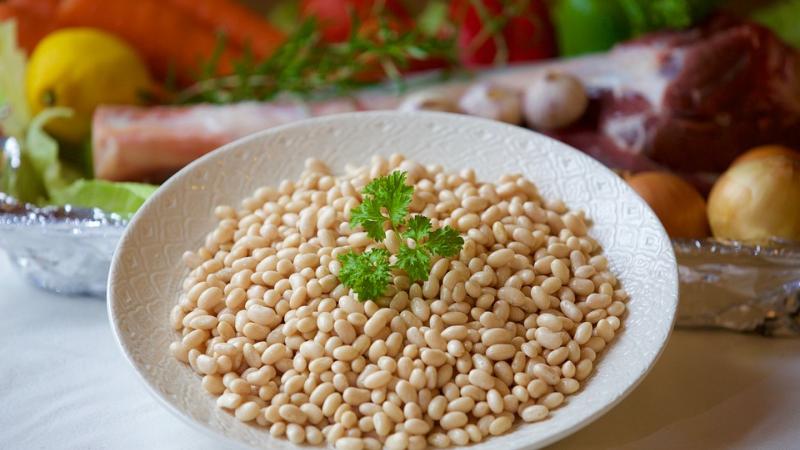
(387,199)
(444,242)
(415,262)
(367,273)
(393,194)
(389,193)
(417,228)
(368,215)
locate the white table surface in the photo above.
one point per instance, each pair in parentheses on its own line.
(64,385)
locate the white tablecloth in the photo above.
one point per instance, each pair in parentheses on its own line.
(64,385)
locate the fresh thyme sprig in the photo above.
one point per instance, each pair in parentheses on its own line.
(306,64)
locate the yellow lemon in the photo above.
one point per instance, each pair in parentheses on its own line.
(81,68)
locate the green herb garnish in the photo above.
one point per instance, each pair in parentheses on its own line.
(305,64)
(368,273)
(390,194)
(386,200)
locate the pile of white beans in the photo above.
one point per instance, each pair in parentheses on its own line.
(505,330)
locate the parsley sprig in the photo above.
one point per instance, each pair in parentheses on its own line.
(386,200)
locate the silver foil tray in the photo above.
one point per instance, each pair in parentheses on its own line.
(739,287)
(723,285)
(61,249)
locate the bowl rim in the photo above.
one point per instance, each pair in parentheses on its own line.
(177,178)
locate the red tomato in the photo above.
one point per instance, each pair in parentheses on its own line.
(528,35)
(335,15)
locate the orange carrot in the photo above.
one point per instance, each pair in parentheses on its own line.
(31,27)
(163,34)
(241,25)
(45,8)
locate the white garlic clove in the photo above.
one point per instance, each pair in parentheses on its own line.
(429,101)
(492,102)
(554,100)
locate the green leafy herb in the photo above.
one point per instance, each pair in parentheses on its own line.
(415,262)
(445,242)
(386,200)
(367,273)
(389,194)
(370,217)
(305,64)
(418,228)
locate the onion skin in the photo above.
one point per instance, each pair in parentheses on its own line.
(678,205)
(764,152)
(757,200)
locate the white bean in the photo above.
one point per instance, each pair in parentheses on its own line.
(509,326)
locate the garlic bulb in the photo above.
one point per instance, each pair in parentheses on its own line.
(429,100)
(492,102)
(554,100)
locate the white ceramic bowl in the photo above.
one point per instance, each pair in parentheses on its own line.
(147,272)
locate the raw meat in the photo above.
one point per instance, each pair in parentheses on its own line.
(690,101)
(133,143)
(732,85)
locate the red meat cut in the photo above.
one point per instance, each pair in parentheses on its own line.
(730,86)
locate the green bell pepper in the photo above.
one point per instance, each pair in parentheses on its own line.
(585,26)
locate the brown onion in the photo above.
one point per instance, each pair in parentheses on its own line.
(677,203)
(757,199)
(765,151)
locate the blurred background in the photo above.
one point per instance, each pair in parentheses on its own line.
(695,103)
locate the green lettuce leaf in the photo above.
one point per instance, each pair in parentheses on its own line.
(17,174)
(121,198)
(18,177)
(64,184)
(14,113)
(32,171)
